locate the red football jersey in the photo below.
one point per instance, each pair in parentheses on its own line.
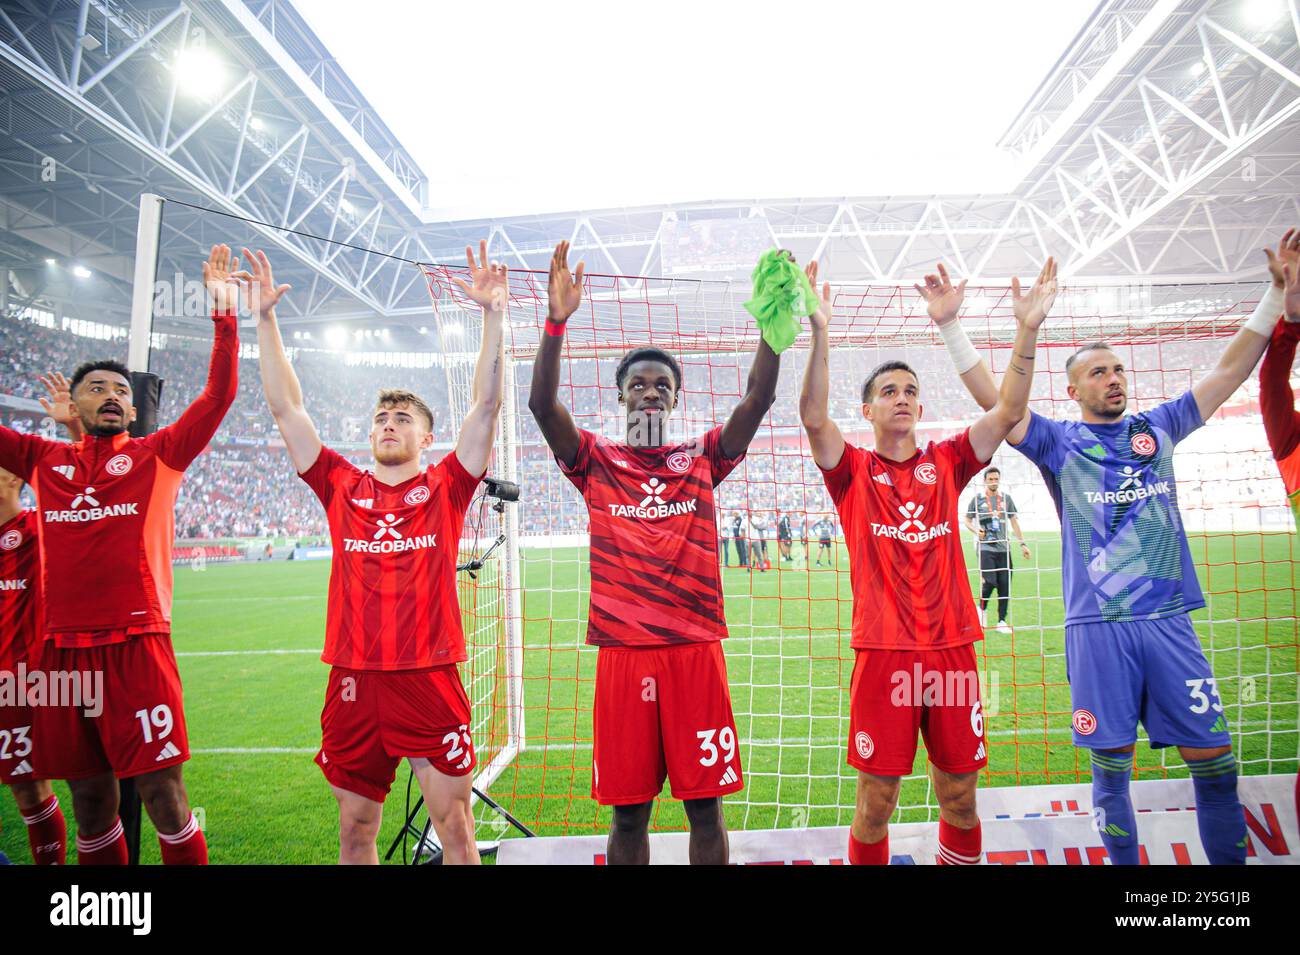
(20,591)
(654,541)
(392,599)
(906,565)
(106,511)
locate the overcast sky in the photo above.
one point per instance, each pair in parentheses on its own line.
(514,108)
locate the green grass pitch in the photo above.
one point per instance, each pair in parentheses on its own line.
(254,716)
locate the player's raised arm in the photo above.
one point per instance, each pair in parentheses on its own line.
(279,382)
(181,442)
(563,293)
(760,394)
(489,289)
(1012,408)
(1243,352)
(942,303)
(824,435)
(1276,399)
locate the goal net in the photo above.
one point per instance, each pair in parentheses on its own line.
(531,677)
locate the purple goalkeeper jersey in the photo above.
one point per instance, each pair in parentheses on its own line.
(1124,552)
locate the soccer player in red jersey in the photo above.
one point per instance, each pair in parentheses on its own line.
(109,499)
(1276,398)
(914,619)
(393,633)
(662,707)
(20,638)
(20,649)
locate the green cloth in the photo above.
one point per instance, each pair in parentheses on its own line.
(781,291)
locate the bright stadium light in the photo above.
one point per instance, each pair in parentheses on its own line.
(50,262)
(335,336)
(256,123)
(1262,13)
(454,328)
(81,272)
(201,72)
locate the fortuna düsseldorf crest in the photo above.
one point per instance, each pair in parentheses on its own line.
(925,473)
(1085,724)
(679,461)
(118,465)
(11,539)
(864,745)
(417,495)
(1142,444)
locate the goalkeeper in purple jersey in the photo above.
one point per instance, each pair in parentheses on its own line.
(1131,653)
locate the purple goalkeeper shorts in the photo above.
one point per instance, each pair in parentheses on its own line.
(1148,671)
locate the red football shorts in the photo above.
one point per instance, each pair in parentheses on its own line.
(663,712)
(137,724)
(894,693)
(16,745)
(372,719)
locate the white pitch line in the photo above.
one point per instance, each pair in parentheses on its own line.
(224,600)
(245,653)
(252,750)
(1057,731)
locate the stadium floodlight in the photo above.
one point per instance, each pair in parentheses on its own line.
(336,337)
(345,206)
(50,262)
(201,72)
(81,272)
(1262,13)
(257,123)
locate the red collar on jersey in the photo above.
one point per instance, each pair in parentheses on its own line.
(118,441)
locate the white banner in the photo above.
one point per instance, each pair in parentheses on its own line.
(1023,825)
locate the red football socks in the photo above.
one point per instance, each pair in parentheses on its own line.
(47,833)
(959,846)
(107,848)
(868,853)
(187,847)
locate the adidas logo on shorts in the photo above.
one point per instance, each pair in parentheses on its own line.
(728,777)
(168,752)
(21,769)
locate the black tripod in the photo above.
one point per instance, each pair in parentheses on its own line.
(423,854)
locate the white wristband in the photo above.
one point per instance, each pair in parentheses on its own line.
(960,350)
(1263,320)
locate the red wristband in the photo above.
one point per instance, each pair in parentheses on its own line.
(554,328)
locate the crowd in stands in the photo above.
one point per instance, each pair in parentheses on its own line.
(245,486)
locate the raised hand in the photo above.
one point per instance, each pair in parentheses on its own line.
(942,298)
(1288,252)
(822,317)
(59,405)
(491,281)
(220,275)
(1030,309)
(263,293)
(1291,291)
(563,291)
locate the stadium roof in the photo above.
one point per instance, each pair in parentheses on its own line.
(1163,145)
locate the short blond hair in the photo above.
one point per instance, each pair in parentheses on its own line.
(396,397)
